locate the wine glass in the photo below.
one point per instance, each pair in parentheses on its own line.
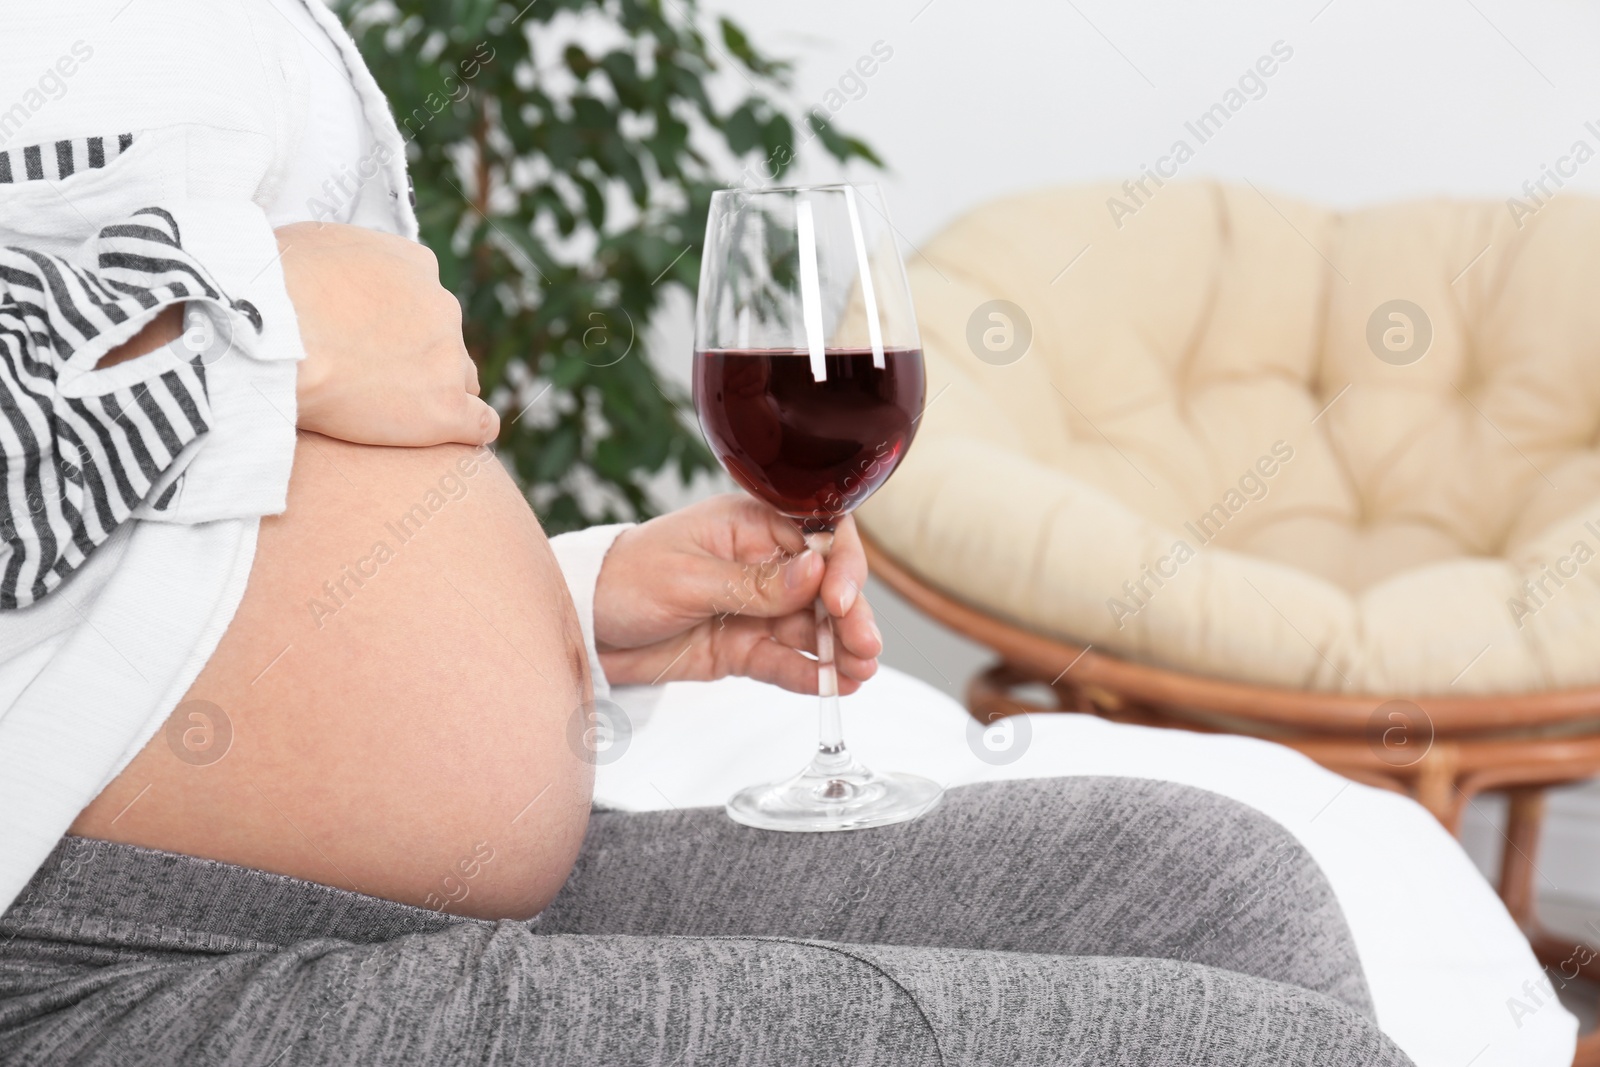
(808,381)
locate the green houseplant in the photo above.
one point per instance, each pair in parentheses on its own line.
(564,189)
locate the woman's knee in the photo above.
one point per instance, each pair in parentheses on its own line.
(1158,827)
(988,1007)
(1156,868)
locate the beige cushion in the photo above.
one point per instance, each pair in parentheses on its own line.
(1370,522)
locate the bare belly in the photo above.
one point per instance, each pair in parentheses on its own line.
(395,708)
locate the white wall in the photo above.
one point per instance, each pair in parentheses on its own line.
(1379,100)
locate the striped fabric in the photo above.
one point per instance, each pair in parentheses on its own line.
(72,469)
(61,159)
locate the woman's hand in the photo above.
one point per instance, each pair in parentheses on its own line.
(385,363)
(726,587)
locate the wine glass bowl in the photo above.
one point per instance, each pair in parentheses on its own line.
(813,450)
(809,382)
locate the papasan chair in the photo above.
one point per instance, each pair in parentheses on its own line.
(1204,456)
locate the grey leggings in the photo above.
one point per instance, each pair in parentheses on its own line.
(1084,921)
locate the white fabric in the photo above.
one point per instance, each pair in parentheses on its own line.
(88,448)
(92,671)
(580,555)
(319,182)
(1442,957)
(266,116)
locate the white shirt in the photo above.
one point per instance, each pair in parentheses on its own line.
(335,138)
(266,115)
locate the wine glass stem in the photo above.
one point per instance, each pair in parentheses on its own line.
(830,734)
(830,737)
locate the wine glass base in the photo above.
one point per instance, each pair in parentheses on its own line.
(853,798)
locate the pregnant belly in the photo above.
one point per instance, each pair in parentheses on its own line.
(397,706)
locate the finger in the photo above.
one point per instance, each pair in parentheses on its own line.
(488,421)
(778,664)
(743,647)
(759,528)
(471,370)
(471,422)
(858,631)
(779,584)
(655,664)
(799,631)
(420,254)
(847,569)
(765,649)
(854,668)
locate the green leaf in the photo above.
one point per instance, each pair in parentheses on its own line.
(734,39)
(742,129)
(578,61)
(563,139)
(558,455)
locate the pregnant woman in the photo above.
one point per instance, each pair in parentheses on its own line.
(290,675)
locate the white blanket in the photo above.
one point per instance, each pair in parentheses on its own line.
(1450,973)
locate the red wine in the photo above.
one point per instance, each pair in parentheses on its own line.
(813,450)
